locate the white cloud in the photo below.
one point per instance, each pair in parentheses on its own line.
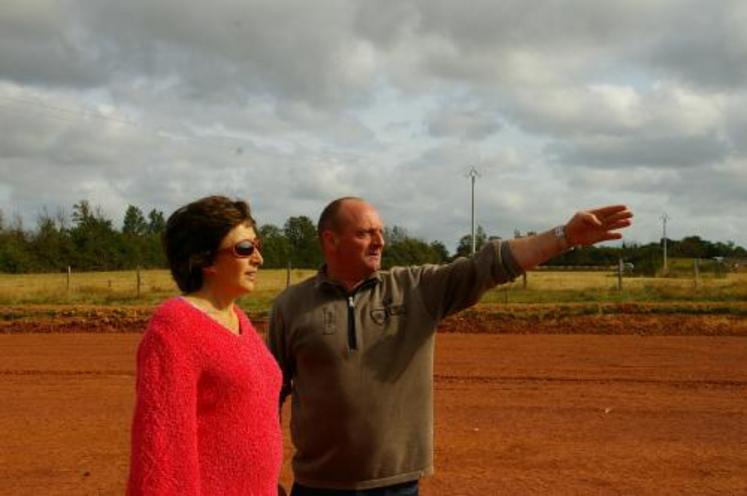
(290,104)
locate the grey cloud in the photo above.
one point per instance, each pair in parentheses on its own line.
(225,49)
(679,38)
(217,51)
(736,125)
(706,46)
(714,191)
(464,123)
(37,47)
(668,151)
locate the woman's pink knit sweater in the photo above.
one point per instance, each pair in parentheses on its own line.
(206,418)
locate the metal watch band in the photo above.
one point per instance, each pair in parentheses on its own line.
(561,237)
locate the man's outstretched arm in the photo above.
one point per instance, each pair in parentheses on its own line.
(585,228)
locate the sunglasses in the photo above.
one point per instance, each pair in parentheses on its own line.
(244,248)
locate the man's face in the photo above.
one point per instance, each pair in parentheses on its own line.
(358,245)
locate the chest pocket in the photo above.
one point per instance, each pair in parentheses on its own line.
(330,323)
(383,315)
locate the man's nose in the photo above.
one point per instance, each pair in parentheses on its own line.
(378,239)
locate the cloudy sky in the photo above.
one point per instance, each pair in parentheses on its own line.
(561,105)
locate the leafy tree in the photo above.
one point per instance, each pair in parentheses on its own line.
(15,256)
(275,246)
(97,245)
(404,250)
(82,213)
(440,250)
(303,242)
(464,248)
(395,234)
(136,239)
(156,222)
(134,223)
(51,244)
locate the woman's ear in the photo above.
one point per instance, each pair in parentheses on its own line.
(200,260)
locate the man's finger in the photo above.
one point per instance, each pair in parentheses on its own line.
(611,235)
(605,212)
(617,224)
(625,214)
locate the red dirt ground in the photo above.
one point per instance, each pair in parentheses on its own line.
(515,414)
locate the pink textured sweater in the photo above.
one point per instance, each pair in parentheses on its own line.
(206,418)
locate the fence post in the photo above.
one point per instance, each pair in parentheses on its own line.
(620,274)
(69,274)
(137,275)
(524,280)
(696,272)
(288,274)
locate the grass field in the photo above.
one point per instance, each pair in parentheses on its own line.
(116,288)
(110,288)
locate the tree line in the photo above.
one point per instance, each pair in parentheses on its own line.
(91,242)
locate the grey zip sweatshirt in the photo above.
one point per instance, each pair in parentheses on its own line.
(359,367)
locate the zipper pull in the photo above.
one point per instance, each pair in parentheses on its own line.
(352,338)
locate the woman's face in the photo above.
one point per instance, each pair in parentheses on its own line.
(231,274)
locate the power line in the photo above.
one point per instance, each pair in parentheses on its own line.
(78,112)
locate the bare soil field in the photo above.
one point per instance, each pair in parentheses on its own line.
(656,410)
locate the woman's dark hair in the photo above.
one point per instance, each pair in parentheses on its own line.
(194,232)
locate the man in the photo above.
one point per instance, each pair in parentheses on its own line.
(356,346)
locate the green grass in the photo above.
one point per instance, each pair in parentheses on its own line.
(579,287)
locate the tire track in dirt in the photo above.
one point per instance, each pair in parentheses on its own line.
(456,379)
(682,383)
(69,372)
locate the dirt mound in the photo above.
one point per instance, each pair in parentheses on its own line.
(680,319)
(615,324)
(68,319)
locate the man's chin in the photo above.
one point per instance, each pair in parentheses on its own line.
(373,264)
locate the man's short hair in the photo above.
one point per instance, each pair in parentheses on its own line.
(330,218)
(194,233)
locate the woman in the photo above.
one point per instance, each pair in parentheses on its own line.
(206,418)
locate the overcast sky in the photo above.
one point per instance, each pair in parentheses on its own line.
(561,105)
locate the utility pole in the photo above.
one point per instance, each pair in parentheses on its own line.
(664,219)
(473,174)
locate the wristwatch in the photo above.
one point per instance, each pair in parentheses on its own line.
(562,239)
